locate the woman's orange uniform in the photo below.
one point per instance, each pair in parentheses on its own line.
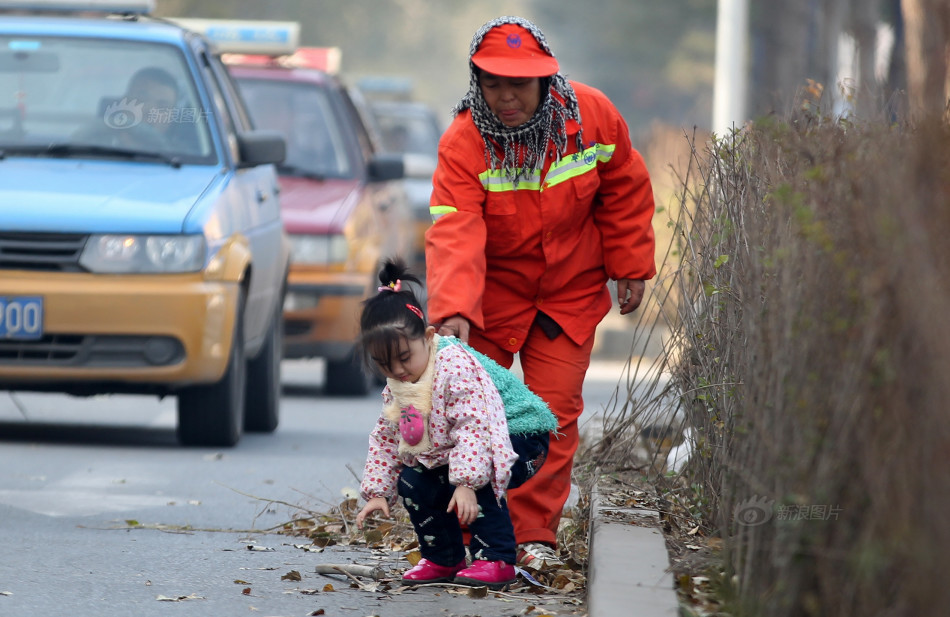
(500,251)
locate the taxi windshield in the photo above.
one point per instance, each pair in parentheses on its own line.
(303,113)
(107,98)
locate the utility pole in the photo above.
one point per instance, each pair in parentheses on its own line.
(729,89)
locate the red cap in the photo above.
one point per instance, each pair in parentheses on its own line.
(509,50)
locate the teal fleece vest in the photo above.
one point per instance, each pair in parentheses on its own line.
(526,411)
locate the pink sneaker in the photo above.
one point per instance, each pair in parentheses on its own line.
(491,574)
(427,572)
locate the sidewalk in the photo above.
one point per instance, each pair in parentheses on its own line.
(628,564)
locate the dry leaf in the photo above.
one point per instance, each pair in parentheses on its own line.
(477,592)
(413,557)
(193,596)
(319,611)
(328,587)
(293,575)
(321,541)
(238,581)
(246,591)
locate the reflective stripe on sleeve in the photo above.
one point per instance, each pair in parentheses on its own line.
(437,212)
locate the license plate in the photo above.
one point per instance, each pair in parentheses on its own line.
(21,317)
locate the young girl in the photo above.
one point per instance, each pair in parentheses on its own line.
(442,441)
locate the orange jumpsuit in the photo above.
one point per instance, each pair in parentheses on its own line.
(498,252)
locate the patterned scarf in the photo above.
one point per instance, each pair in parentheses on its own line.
(528,142)
(418,395)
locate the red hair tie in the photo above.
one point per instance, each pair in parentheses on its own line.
(415,309)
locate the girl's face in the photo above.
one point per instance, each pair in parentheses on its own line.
(409,361)
(513,100)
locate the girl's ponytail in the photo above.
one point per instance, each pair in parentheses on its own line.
(392,314)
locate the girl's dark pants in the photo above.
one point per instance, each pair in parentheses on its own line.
(426,494)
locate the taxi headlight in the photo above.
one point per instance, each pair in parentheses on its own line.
(319,249)
(126,254)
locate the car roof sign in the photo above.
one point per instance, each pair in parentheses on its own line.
(326,59)
(128,7)
(246,36)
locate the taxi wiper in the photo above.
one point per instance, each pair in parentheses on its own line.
(300,172)
(69,150)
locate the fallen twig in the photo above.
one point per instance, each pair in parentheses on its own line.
(350,570)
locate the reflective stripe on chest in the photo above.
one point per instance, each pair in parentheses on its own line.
(571,166)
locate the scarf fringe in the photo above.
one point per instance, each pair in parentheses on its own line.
(523,147)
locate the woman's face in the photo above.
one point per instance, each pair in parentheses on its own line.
(409,361)
(513,100)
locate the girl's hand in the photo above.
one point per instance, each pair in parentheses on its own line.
(465,504)
(374,504)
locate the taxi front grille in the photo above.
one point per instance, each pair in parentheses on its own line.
(41,251)
(99,351)
(51,349)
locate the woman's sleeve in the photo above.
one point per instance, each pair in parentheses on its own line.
(455,243)
(381,471)
(624,213)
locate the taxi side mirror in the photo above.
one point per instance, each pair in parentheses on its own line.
(384,167)
(261,147)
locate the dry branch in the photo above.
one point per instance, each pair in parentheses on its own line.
(350,570)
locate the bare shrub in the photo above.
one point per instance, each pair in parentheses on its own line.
(806,364)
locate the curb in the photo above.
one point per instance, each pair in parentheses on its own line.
(629,566)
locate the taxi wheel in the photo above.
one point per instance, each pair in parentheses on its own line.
(346,377)
(262,400)
(213,414)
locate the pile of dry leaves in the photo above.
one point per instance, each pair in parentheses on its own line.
(396,538)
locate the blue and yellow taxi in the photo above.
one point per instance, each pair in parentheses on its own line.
(141,244)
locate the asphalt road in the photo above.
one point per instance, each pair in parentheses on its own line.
(76,473)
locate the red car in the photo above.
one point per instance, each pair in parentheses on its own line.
(342,203)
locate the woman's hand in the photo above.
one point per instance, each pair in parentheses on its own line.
(374,504)
(456,326)
(465,504)
(629,294)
